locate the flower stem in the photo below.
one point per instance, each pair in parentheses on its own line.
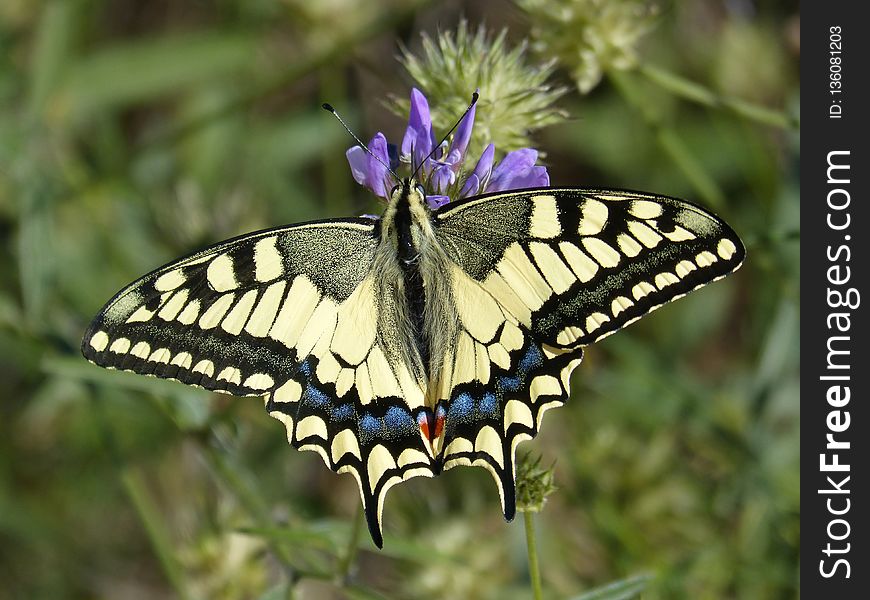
(695,92)
(532,548)
(133,482)
(229,474)
(343,571)
(155,527)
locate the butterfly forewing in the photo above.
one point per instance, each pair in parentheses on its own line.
(227,318)
(578,265)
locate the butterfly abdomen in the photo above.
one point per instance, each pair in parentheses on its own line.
(408,254)
(413,271)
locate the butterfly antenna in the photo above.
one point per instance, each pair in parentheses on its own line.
(474,98)
(328,107)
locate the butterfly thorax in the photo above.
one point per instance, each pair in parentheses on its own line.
(411,271)
(406,224)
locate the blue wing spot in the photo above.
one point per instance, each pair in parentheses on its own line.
(343,412)
(488,406)
(369,427)
(305,369)
(531,360)
(398,421)
(315,397)
(461,408)
(509,384)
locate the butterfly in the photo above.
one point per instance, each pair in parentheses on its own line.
(405,345)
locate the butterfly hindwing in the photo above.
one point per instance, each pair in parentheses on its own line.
(354,407)
(377,441)
(513,381)
(550,271)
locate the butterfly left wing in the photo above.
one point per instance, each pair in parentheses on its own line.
(229,318)
(538,275)
(290,314)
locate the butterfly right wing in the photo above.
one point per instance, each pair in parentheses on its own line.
(538,275)
(575,265)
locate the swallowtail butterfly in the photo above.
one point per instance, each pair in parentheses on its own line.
(403,346)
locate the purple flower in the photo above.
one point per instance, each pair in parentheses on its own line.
(445,172)
(442,173)
(517,171)
(367,170)
(419,138)
(478,179)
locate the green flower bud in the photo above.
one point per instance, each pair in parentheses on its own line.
(515,99)
(534,484)
(589,37)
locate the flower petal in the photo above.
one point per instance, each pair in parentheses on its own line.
(537,176)
(461,138)
(358,160)
(436,201)
(442,177)
(478,179)
(471,186)
(419,138)
(517,170)
(378,174)
(366,169)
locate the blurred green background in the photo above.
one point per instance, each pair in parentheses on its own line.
(133,132)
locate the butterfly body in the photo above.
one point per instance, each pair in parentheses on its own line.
(426,339)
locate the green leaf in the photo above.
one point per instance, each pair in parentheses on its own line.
(132,72)
(279,592)
(624,589)
(324,534)
(50,52)
(37,260)
(156,528)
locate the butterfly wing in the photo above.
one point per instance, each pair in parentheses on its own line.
(547,272)
(290,314)
(228,318)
